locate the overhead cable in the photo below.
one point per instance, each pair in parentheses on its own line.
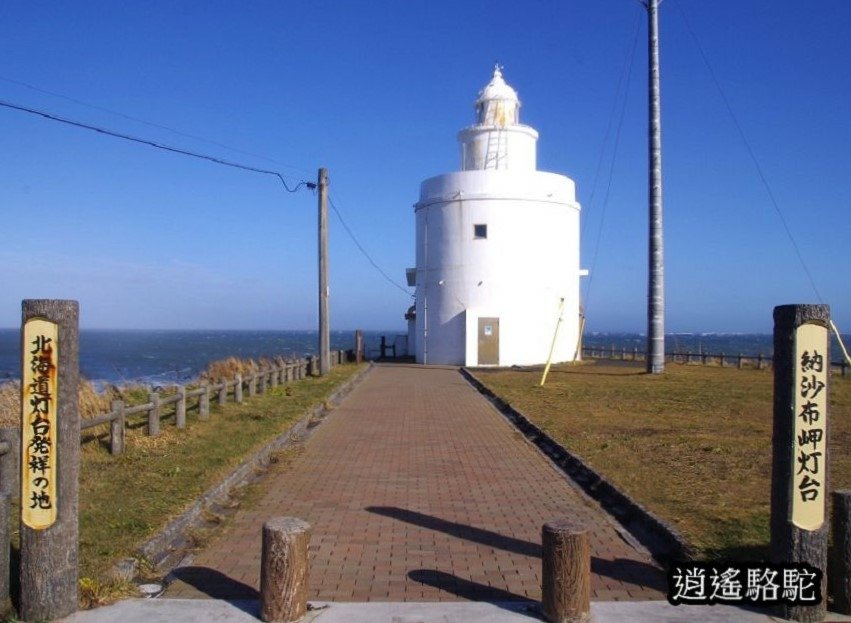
(362,250)
(176,150)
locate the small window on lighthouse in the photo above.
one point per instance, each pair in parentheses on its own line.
(480,232)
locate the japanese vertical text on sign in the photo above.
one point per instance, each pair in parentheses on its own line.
(39,390)
(809,461)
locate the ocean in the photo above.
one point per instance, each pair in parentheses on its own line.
(163,357)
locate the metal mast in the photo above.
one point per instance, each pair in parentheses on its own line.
(656,268)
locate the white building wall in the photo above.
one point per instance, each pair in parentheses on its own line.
(519,273)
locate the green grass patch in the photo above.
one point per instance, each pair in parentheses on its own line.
(692,445)
(126,499)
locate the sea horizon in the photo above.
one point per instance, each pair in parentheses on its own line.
(168,356)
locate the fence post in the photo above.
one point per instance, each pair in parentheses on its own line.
(740,361)
(703,359)
(180,408)
(223,392)
(10,462)
(284,569)
(566,572)
(204,402)
(5,516)
(264,380)
(237,390)
(759,362)
(116,428)
(154,414)
(800,436)
(721,360)
(276,374)
(50,529)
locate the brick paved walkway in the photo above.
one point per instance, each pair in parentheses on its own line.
(419,490)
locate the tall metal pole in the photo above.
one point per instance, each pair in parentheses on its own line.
(656,281)
(324,333)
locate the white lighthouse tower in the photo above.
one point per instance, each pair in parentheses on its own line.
(497,249)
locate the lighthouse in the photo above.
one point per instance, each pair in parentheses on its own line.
(497,259)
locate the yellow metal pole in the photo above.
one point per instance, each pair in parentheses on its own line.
(553,345)
(578,352)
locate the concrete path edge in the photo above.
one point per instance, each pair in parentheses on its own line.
(663,541)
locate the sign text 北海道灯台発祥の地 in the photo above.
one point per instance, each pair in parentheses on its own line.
(39,391)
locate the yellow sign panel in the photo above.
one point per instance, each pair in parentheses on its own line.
(809,459)
(39,393)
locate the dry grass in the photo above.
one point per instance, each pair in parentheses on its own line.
(693,445)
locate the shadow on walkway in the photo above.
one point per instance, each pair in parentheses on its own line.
(623,569)
(466,589)
(217,585)
(459,530)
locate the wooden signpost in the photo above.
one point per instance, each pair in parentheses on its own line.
(50,459)
(799,486)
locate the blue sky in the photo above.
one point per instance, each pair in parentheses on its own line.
(376,92)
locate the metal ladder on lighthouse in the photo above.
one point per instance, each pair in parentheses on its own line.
(496,152)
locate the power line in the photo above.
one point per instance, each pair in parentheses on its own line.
(143,141)
(612,165)
(362,250)
(751,153)
(143,121)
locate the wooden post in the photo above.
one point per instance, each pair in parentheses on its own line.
(324,330)
(759,362)
(566,572)
(358,346)
(840,568)
(264,380)
(154,414)
(740,361)
(10,462)
(284,569)
(223,392)
(49,552)
(703,359)
(180,408)
(204,402)
(252,384)
(116,428)
(237,391)
(5,513)
(721,360)
(276,375)
(800,437)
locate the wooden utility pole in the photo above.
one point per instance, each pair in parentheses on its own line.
(324,332)
(656,278)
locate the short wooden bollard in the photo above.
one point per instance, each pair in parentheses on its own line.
(252,384)
(284,569)
(264,381)
(116,428)
(154,415)
(840,568)
(566,572)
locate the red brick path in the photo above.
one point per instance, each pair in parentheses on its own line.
(419,490)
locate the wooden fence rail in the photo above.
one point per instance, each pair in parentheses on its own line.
(739,360)
(257,382)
